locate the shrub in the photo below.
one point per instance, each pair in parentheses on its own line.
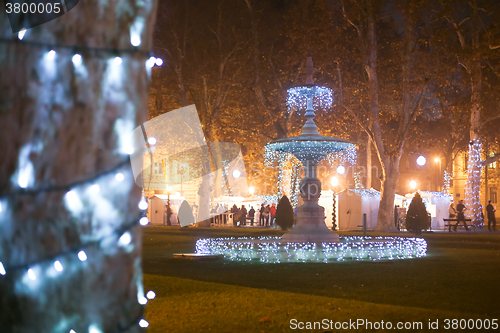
(284,214)
(416,217)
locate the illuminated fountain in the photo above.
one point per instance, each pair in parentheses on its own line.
(310,147)
(310,239)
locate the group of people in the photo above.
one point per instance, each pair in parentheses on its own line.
(265,217)
(459,214)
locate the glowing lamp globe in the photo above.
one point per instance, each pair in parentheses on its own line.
(334,181)
(340,170)
(413,184)
(251,190)
(152,141)
(421,160)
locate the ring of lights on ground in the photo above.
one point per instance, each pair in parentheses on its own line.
(273,250)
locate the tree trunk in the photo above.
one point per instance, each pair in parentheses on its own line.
(474,166)
(385,222)
(63,123)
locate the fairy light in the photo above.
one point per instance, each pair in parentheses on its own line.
(2,269)
(94,329)
(142,300)
(118,60)
(306,150)
(143,323)
(151,294)
(31,274)
(366,192)
(144,221)
(446,182)
(143,204)
(119,177)
(358,183)
(473,184)
(51,55)
(125,239)
(77,59)
(297,97)
(225,185)
(344,158)
(151,62)
(272,250)
(58,266)
(340,170)
(135,40)
(82,256)
(21,34)
(158,62)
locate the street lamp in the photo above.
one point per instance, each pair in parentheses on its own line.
(438,160)
(421,160)
(180,171)
(413,184)
(335,182)
(251,190)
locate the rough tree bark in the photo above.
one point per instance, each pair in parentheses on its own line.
(63,123)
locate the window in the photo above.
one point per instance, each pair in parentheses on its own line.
(494,164)
(493,194)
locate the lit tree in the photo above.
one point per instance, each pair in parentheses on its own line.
(469,25)
(73,90)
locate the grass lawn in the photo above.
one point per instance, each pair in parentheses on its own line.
(458,279)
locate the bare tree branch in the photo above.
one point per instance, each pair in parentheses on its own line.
(491,160)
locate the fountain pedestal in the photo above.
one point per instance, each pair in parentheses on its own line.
(310,223)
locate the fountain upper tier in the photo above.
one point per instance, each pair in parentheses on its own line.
(310,144)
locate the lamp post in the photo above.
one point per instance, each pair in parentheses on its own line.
(438,160)
(180,171)
(335,182)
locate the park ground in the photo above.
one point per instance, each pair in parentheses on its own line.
(459,279)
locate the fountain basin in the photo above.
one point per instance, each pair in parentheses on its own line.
(275,250)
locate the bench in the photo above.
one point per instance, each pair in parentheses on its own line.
(449,224)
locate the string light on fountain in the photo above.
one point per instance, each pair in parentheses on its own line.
(321,97)
(310,148)
(273,250)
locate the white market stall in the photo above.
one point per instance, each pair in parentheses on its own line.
(351,205)
(436,203)
(157,208)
